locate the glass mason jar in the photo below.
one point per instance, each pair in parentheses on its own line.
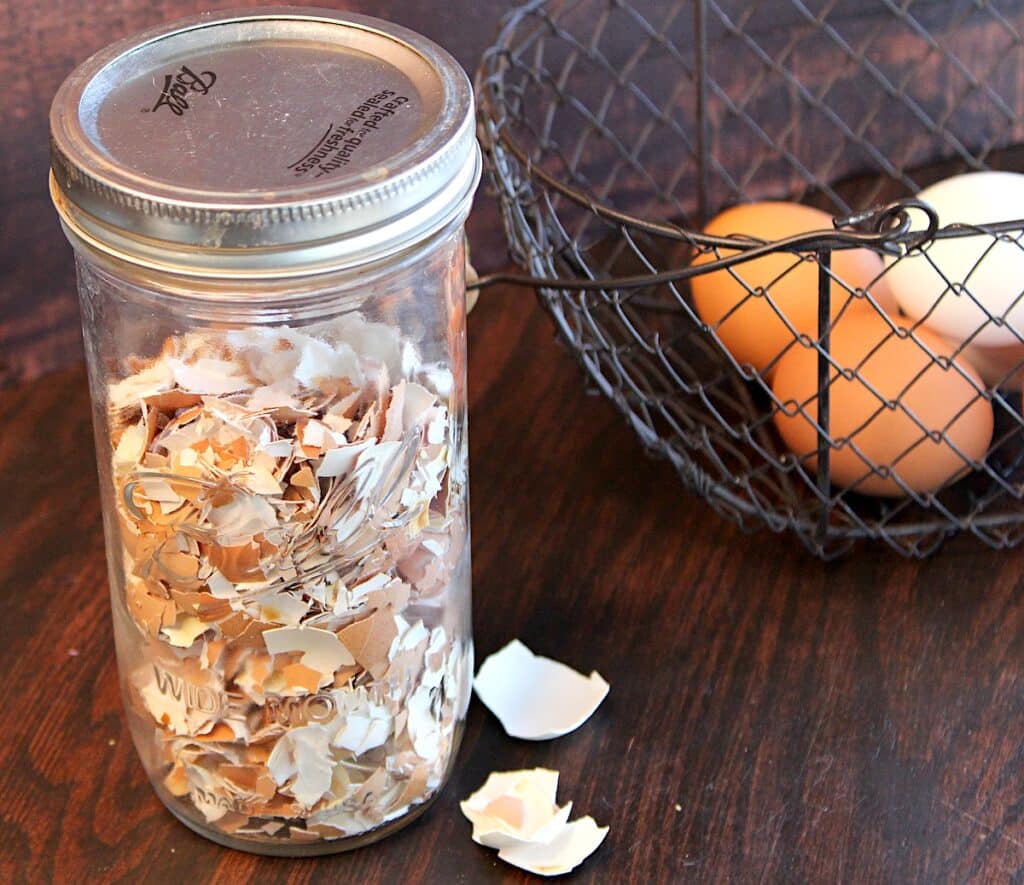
(267,217)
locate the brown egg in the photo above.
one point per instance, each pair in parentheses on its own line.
(898,369)
(754,332)
(1000,366)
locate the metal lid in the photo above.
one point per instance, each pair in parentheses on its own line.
(261,143)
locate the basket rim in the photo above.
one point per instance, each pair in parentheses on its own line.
(897,239)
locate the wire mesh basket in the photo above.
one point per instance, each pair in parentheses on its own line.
(615,130)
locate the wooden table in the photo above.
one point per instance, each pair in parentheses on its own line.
(770,717)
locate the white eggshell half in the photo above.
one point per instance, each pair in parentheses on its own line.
(993,272)
(536,698)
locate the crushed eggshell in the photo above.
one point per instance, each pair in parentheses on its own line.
(321,649)
(268,483)
(185,630)
(534,697)
(516,813)
(516,807)
(300,760)
(576,841)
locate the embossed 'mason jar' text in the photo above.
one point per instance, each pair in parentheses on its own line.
(290,711)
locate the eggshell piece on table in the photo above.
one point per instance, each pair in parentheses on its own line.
(751,329)
(576,841)
(516,807)
(992,271)
(516,812)
(536,698)
(897,369)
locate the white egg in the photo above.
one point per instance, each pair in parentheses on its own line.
(931,287)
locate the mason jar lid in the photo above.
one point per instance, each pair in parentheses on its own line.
(263,143)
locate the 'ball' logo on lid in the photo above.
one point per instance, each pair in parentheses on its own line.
(177,86)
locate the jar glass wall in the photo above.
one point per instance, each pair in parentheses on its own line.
(283,472)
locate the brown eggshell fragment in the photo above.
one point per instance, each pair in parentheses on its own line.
(176,780)
(300,676)
(239,563)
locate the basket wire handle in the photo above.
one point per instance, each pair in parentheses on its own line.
(888,230)
(824,431)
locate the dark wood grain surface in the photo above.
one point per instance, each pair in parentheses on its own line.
(770,718)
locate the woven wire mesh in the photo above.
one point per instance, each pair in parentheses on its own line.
(615,129)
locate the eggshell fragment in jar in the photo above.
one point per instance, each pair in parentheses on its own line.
(893,407)
(748,322)
(955,283)
(321,649)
